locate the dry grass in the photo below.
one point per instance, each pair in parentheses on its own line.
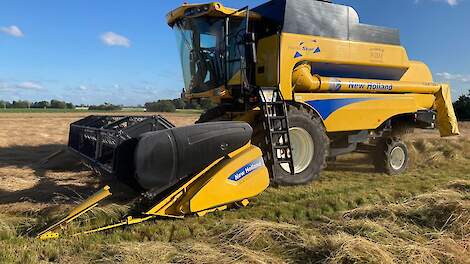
(436,152)
(7,230)
(428,228)
(351,215)
(131,252)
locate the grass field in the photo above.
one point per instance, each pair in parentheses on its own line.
(351,215)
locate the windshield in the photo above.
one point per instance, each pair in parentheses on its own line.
(201,46)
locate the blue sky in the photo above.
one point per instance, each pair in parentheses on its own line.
(89,51)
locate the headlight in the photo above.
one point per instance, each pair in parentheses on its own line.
(193,11)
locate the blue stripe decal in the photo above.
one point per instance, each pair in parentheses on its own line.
(247,169)
(327,107)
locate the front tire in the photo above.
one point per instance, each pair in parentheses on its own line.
(310,146)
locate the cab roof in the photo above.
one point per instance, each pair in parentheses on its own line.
(214,9)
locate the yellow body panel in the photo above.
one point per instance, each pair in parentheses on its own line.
(348,112)
(267,73)
(213,187)
(448,124)
(333,51)
(216,189)
(418,72)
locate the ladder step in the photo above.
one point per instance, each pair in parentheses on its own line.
(276,123)
(283,160)
(281,147)
(277,117)
(270,103)
(279,132)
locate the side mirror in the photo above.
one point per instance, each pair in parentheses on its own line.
(250,42)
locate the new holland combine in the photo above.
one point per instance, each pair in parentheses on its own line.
(297,82)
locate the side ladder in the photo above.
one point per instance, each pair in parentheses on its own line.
(276,124)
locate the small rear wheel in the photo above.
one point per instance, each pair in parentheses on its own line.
(391,156)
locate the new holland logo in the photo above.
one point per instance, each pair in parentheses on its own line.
(246,170)
(306,48)
(335,85)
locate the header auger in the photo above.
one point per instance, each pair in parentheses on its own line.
(311,80)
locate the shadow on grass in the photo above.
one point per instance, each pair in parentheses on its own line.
(72,180)
(64,179)
(358,163)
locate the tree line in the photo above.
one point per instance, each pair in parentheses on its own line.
(172,105)
(23,104)
(157,106)
(461,106)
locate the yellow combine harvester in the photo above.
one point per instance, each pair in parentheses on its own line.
(312,81)
(312,69)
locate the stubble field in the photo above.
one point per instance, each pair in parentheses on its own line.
(352,215)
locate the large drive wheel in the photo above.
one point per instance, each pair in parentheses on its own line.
(310,146)
(391,156)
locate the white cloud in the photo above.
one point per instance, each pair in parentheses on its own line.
(452,2)
(83,88)
(113,39)
(29,86)
(454,77)
(449,2)
(12,31)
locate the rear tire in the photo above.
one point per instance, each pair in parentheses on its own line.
(307,160)
(391,156)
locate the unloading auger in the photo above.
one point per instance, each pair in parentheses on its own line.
(181,171)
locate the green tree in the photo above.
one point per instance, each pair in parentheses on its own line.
(462,108)
(56,104)
(179,103)
(105,107)
(41,104)
(4,104)
(69,106)
(20,104)
(161,106)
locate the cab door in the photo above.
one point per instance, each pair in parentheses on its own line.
(236,30)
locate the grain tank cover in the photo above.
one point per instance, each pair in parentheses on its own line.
(325,19)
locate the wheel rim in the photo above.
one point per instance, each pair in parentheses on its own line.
(303,150)
(397,158)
